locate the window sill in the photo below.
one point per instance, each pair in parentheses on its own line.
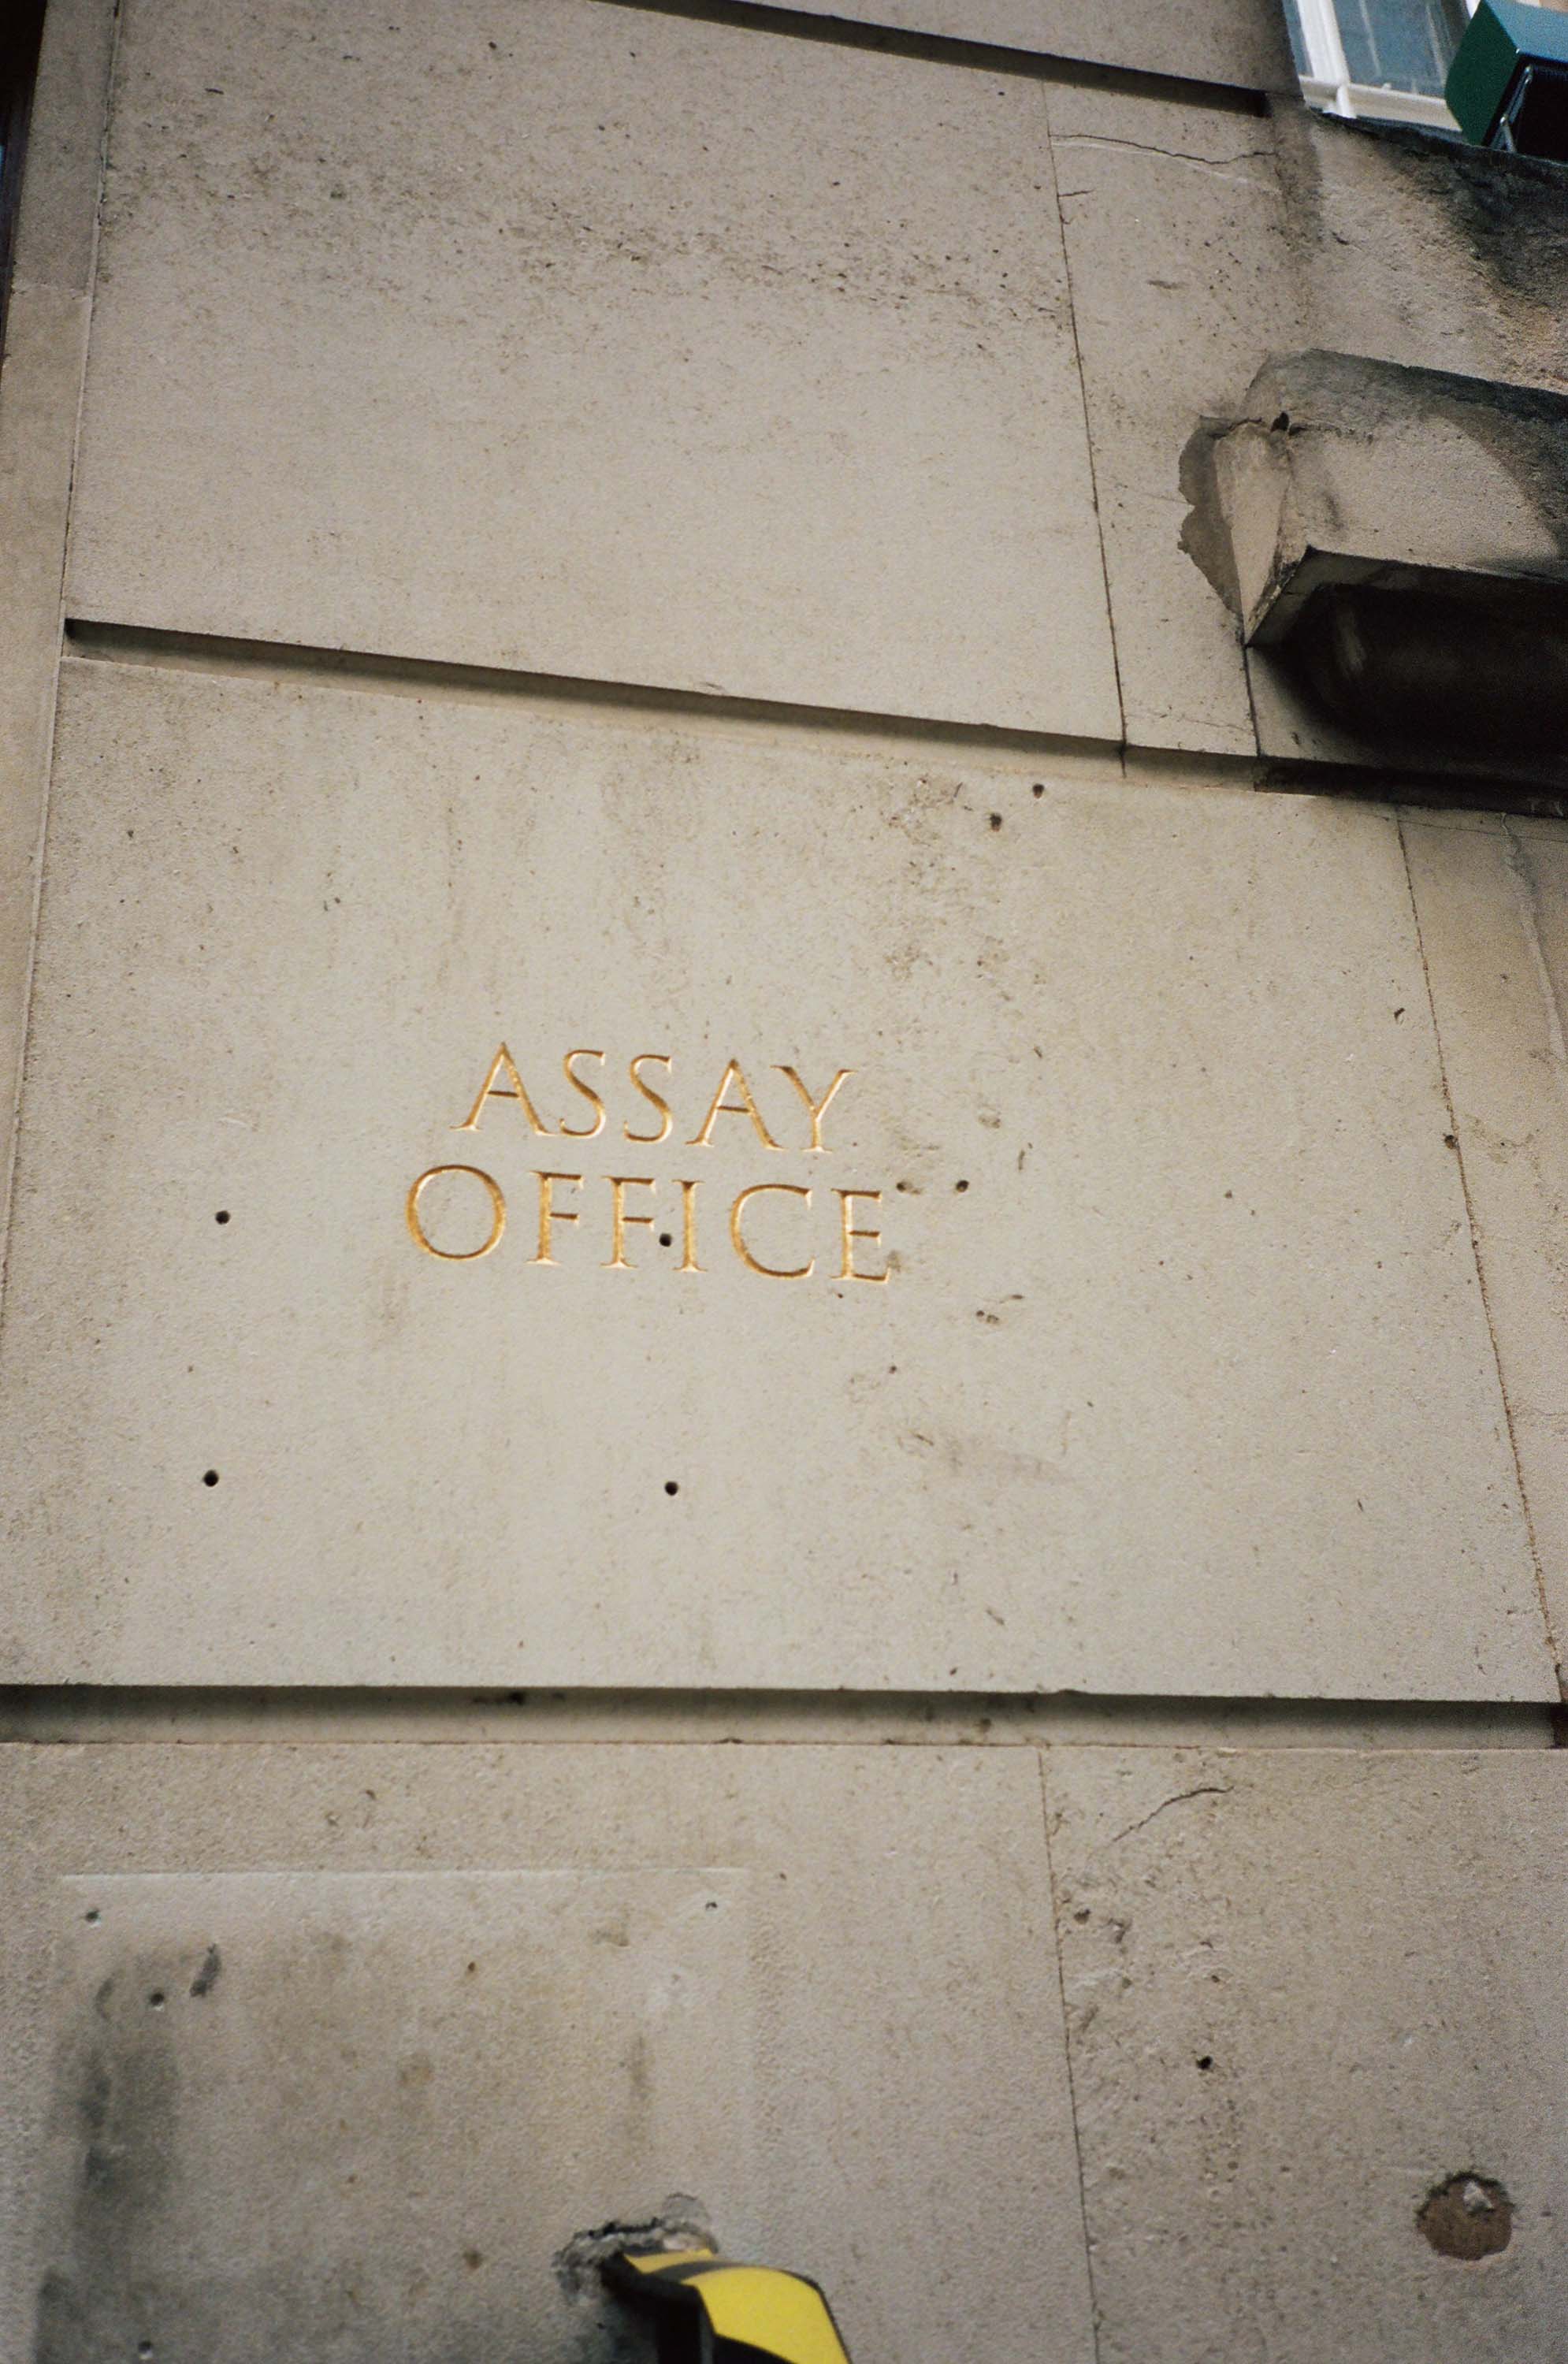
(1362,103)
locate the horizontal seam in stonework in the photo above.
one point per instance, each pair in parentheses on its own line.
(372,672)
(953,50)
(375,672)
(71,1715)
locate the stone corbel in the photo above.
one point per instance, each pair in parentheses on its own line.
(1400,536)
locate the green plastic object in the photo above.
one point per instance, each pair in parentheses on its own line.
(1503,40)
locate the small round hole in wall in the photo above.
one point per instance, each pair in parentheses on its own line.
(221,1215)
(209,1478)
(666,1239)
(671,1487)
(157,1999)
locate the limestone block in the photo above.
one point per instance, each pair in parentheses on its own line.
(1179,1379)
(1235,41)
(331,2051)
(1182,280)
(1492,898)
(600,343)
(1309,1997)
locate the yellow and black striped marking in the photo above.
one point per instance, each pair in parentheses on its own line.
(712,2310)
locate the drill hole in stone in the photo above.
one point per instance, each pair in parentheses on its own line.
(221,1215)
(1469,2217)
(671,1487)
(209,1478)
(666,1239)
(157,1999)
(93,1916)
(1206,2060)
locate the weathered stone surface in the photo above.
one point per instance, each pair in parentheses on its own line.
(428,2014)
(1180,1380)
(1426,251)
(313,2103)
(1181,283)
(1305,1992)
(1492,898)
(596,342)
(1235,41)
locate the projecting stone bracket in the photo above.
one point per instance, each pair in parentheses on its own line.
(1402,534)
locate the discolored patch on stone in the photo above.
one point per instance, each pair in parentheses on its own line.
(1467,2217)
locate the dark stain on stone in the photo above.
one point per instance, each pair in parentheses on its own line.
(1468,2217)
(114,2130)
(94,2100)
(1512,212)
(1507,216)
(208,1977)
(62,2329)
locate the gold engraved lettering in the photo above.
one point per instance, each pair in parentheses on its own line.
(619,1185)
(583,1131)
(817,1109)
(502,1063)
(744,1106)
(548,1212)
(689,1228)
(772,1271)
(457,1255)
(847,1271)
(656,1059)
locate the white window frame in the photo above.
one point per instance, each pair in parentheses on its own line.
(1327,83)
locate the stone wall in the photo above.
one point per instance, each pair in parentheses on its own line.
(784,1350)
